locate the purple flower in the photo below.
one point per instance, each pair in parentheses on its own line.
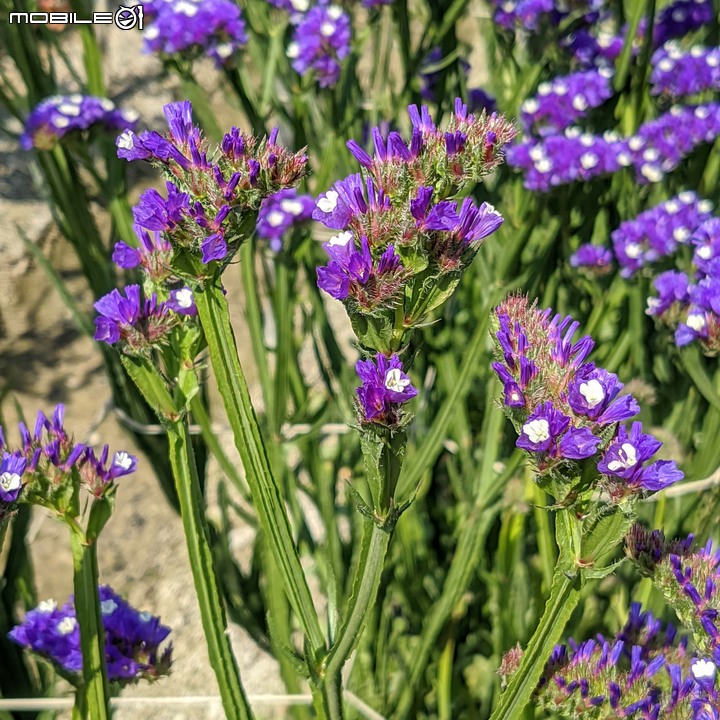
(281,211)
(182,301)
(12,467)
(592,393)
(321,40)
(154,254)
(672,287)
(189,27)
(132,638)
(626,454)
(595,257)
(154,212)
(544,432)
(60,115)
(676,73)
(385,387)
(97,474)
(680,18)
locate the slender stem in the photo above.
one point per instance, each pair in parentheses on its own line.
(215,320)
(212,613)
(94,700)
(367,581)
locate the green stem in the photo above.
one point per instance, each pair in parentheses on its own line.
(215,320)
(367,582)
(197,536)
(93,696)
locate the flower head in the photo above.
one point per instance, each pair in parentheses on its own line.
(385,388)
(280,212)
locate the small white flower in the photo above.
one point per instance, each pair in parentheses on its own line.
(130,116)
(334,12)
(572,132)
(704,669)
(224,50)
(108,607)
(185,8)
(681,234)
(702,112)
(687,197)
(275,218)
(66,625)
(593,392)
(605,39)
(651,154)
(560,88)
(589,160)
(652,304)
(394,380)
(545,88)
(633,250)
(292,207)
(624,159)
(342,238)
(61,122)
(75,97)
(152,33)
(628,461)
(696,321)
(293,50)
(537,152)
(697,51)
(10,481)
(580,103)
(671,206)
(327,29)
(704,252)
(636,143)
(125,141)
(652,173)
(69,109)
(300,5)
(537,430)
(184,298)
(145,616)
(329,202)
(587,140)
(610,136)
(713,60)
(705,206)
(107,105)
(676,111)
(46,606)
(543,165)
(122,459)
(666,64)
(530,106)
(606,72)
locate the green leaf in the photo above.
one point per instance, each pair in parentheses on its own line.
(153,388)
(695,366)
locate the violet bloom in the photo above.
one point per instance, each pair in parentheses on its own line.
(672,288)
(676,73)
(321,40)
(385,388)
(132,638)
(280,212)
(12,467)
(97,473)
(182,301)
(189,27)
(61,115)
(547,432)
(623,460)
(154,254)
(680,18)
(592,257)
(592,393)
(154,212)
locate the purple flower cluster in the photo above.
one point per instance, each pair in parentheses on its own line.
(641,672)
(430,75)
(661,144)
(529,14)
(693,308)
(132,638)
(564,158)
(195,27)
(594,258)
(658,232)
(280,212)
(62,115)
(562,406)
(213,194)
(320,41)
(399,234)
(153,255)
(139,324)
(680,18)
(385,387)
(591,50)
(560,103)
(677,74)
(47,461)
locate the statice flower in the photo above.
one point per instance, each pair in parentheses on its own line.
(132,639)
(595,258)
(660,145)
(567,409)
(560,103)
(530,14)
(280,212)
(574,155)
(642,672)
(676,73)
(153,255)
(212,194)
(594,50)
(658,232)
(320,41)
(385,388)
(672,294)
(49,467)
(62,116)
(190,28)
(680,18)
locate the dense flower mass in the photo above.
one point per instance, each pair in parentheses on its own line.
(385,388)
(560,103)
(321,40)
(62,116)
(658,232)
(193,27)
(48,466)
(212,194)
(562,405)
(398,234)
(529,14)
(691,304)
(641,672)
(592,257)
(676,73)
(280,212)
(680,18)
(132,638)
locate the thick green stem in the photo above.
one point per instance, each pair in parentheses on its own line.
(215,319)
(214,624)
(93,696)
(367,582)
